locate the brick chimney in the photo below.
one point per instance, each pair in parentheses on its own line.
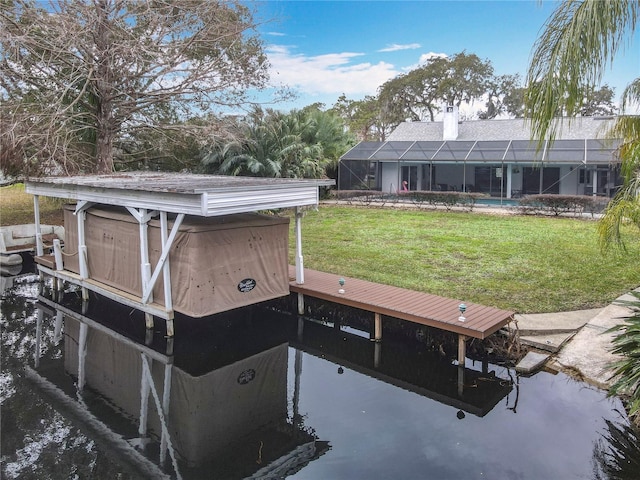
(450,123)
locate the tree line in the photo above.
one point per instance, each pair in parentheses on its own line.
(95,86)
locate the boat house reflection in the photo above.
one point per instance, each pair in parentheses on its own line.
(215,403)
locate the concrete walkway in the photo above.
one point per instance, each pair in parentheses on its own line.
(575,342)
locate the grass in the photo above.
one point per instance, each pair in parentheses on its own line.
(16,207)
(527,264)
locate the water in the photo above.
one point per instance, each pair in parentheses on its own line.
(258,394)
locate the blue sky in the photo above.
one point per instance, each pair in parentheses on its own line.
(326,48)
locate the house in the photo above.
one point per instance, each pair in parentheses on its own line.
(496,157)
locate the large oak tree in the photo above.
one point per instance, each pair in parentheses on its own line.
(78,77)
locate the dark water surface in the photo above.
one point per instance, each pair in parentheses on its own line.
(260,394)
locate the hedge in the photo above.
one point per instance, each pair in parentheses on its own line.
(546,204)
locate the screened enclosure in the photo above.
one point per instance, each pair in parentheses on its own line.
(499,168)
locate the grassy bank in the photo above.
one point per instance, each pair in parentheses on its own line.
(16,207)
(528,264)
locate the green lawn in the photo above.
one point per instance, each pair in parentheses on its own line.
(527,264)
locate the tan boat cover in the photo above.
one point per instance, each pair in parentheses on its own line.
(217,263)
(206,413)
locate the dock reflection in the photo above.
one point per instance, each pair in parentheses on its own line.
(407,366)
(213,401)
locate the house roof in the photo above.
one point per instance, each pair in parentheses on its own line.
(489,141)
(509,129)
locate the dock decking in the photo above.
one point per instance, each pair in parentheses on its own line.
(417,307)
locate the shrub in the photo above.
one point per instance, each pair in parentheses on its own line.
(445,199)
(545,204)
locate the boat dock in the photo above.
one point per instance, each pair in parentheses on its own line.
(474,321)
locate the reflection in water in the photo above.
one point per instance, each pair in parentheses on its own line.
(617,454)
(224,414)
(256,394)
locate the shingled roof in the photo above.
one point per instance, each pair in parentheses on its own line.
(509,129)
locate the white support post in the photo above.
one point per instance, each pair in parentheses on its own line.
(82,248)
(166,267)
(36,211)
(57,253)
(299,259)
(82,355)
(166,247)
(145,266)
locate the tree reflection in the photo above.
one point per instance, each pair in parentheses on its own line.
(38,442)
(616,455)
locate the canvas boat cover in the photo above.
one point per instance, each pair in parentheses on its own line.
(217,263)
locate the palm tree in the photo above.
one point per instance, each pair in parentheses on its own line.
(299,144)
(579,40)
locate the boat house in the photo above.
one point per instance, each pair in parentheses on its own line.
(162,242)
(495,157)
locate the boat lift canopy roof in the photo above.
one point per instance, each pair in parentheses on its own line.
(190,194)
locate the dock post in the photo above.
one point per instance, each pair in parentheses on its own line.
(170,331)
(462,349)
(377,354)
(148,321)
(57,253)
(377,327)
(300,303)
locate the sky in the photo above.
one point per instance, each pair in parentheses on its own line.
(324,49)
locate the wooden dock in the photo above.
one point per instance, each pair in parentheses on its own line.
(416,307)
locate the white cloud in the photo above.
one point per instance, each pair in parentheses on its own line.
(394,47)
(424,58)
(277,34)
(333,73)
